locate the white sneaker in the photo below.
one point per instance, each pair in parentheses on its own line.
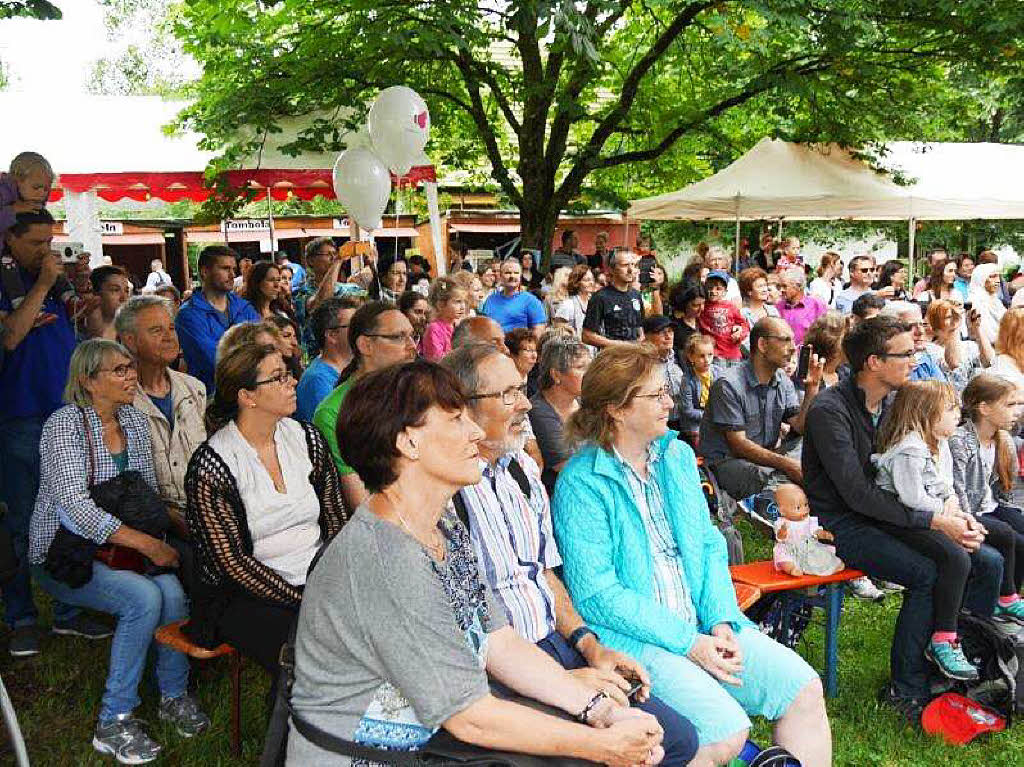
(863,588)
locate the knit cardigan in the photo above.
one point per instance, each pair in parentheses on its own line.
(607,557)
(218,525)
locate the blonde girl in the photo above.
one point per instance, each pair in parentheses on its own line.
(913,461)
(984,470)
(449,302)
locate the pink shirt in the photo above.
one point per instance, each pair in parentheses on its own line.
(801,314)
(437,340)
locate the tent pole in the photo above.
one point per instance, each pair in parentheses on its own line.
(270,221)
(911,231)
(736,251)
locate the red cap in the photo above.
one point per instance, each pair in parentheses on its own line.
(959,720)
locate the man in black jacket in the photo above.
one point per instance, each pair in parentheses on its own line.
(874,532)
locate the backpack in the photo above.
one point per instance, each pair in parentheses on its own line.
(998,659)
(784,616)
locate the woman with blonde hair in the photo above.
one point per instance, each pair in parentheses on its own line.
(475,292)
(648,570)
(95,438)
(984,295)
(559,290)
(1010,346)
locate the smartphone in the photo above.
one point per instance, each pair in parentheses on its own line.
(68,252)
(804,362)
(632,692)
(968,305)
(647,270)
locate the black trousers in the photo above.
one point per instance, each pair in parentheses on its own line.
(1014,518)
(256,629)
(898,555)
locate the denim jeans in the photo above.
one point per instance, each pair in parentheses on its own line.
(19,484)
(141,604)
(879,550)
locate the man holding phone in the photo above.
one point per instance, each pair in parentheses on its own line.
(747,405)
(38,341)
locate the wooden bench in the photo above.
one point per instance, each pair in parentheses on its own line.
(172,636)
(767,579)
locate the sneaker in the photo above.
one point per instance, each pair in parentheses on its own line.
(82,626)
(24,641)
(909,708)
(863,588)
(184,713)
(125,740)
(1013,613)
(951,661)
(889,587)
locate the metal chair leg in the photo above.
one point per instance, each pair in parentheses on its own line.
(13,730)
(833,612)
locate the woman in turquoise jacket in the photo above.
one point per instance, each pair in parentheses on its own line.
(648,570)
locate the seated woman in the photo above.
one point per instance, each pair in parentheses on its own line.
(398,632)
(96,437)
(648,571)
(560,368)
(263,497)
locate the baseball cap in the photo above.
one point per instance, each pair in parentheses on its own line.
(718,274)
(656,324)
(959,720)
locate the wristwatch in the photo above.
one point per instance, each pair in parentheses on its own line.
(577,636)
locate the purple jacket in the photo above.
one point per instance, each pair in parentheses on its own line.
(801,314)
(8,195)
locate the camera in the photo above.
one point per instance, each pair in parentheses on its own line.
(68,251)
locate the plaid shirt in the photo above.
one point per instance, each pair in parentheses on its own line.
(64,475)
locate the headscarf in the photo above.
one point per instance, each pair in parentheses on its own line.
(989,305)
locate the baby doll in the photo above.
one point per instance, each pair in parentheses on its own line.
(798,538)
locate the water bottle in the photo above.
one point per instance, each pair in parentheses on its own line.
(747,754)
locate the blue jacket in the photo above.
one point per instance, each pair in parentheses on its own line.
(607,559)
(200,327)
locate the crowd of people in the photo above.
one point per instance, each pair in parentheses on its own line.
(478,495)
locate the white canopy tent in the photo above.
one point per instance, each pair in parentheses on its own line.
(777,179)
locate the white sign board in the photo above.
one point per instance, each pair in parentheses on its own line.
(111,227)
(248,225)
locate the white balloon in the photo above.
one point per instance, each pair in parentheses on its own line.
(363,185)
(399,125)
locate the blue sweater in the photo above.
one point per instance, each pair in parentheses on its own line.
(607,559)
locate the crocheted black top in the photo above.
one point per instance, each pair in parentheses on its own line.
(219,529)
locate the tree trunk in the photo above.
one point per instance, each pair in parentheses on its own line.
(538,220)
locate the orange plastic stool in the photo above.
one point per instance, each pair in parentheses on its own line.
(173,636)
(765,577)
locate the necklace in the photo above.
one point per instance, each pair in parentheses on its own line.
(436,548)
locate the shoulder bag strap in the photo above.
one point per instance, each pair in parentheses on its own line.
(519,475)
(88,444)
(460,508)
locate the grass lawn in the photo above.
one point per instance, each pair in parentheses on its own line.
(57,694)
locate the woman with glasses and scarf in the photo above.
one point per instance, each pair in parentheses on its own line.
(262,499)
(379,335)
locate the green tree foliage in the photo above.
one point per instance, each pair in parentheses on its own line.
(32,9)
(146,58)
(574,102)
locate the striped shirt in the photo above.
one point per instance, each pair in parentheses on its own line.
(670,588)
(515,543)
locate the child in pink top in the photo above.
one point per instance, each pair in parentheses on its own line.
(722,320)
(449,302)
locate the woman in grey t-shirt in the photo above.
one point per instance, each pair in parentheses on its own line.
(397,631)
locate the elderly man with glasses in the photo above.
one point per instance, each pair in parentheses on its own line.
(509,518)
(742,423)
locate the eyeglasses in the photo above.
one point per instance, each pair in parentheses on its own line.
(868,269)
(121,371)
(662,393)
(899,356)
(280,378)
(508,397)
(397,338)
(336,327)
